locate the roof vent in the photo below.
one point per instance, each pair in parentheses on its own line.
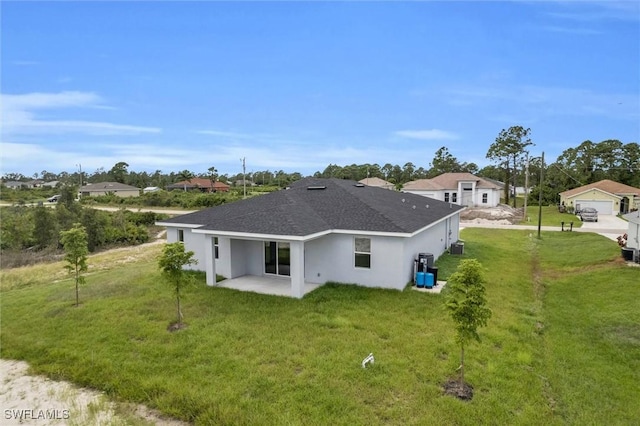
(359,185)
(316,188)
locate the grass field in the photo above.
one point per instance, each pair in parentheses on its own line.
(550,217)
(562,347)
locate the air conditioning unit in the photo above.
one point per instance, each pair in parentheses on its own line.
(457,248)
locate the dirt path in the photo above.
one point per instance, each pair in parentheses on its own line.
(38,401)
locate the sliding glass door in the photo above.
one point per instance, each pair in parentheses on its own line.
(277,258)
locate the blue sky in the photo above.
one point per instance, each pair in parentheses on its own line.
(295,86)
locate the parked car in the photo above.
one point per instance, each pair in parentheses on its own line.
(53,199)
(588,214)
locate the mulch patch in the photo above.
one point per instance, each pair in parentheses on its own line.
(176,326)
(458,389)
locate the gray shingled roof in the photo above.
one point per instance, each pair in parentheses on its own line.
(107,186)
(341,205)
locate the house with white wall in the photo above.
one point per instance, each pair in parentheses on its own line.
(318,231)
(464,189)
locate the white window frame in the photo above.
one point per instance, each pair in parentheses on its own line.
(215,243)
(359,253)
(181,235)
(485,198)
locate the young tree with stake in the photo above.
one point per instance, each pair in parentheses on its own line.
(466,304)
(76,250)
(171,262)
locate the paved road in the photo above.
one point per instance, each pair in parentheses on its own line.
(136,209)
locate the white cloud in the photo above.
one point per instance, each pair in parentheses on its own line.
(596,10)
(536,101)
(224,134)
(23,63)
(569,30)
(431,134)
(19,115)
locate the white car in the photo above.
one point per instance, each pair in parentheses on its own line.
(588,214)
(53,199)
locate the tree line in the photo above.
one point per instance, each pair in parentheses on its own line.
(510,155)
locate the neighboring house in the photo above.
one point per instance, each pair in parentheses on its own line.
(36,183)
(105,188)
(199,184)
(606,196)
(14,184)
(319,230)
(377,182)
(52,184)
(463,189)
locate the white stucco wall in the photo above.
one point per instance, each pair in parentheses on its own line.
(493,196)
(192,242)
(247,258)
(633,235)
(436,195)
(331,258)
(434,240)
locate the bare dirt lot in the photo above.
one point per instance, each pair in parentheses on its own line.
(500,215)
(38,401)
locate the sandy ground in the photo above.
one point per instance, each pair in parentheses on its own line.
(38,401)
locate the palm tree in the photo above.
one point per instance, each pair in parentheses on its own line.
(185,176)
(213,176)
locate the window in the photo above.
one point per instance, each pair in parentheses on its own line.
(362,252)
(180,235)
(446,197)
(454,197)
(215,247)
(485,198)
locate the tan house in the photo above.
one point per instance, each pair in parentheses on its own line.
(606,196)
(464,189)
(377,182)
(106,188)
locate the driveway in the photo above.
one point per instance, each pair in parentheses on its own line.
(608,225)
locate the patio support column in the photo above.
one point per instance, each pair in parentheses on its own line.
(297,268)
(210,262)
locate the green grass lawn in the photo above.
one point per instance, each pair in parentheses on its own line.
(562,347)
(550,217)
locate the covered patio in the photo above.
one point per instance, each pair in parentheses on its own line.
(276,286)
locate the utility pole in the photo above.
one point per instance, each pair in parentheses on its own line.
(526,184)
(80,187)
(540,195)
(244,176)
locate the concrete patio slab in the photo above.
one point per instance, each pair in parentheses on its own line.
(435,290)
(275,286)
